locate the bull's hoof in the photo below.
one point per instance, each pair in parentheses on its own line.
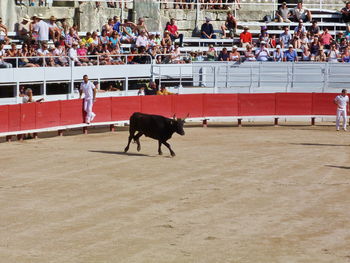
(126,149)
(173,154)
(160,153)
(138,148)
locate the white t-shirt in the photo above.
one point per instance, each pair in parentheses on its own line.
(43,31)
(141,41)
(88,89)
(262,55)
(43,52)
(342,101)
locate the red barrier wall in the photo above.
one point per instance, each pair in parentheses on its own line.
(69,112)
(4,118)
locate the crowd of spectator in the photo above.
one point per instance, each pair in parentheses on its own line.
(204,4)
(60,44)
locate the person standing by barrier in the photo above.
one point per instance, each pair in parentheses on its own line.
(89,90)
(342,101)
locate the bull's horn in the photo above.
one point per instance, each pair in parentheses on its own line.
(174,117)
(188,115)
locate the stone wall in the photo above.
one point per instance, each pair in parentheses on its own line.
(90,18)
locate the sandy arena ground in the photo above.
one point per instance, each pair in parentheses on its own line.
(251,194)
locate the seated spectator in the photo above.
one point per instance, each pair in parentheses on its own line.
(128,32)
(151,89)
(273,41)
(24,53)
(142,40)
(326,38)
(230,25)
(296,42)
(248,54)
(283,14)
(44,52)
(60,55)
(343,45)
(141,91)
(314,47)
(314,29)
(109,26)
(345,11)
(54,31)
(262,53)
(246,37)
(27,97)
(70,38)
(264,36)
(167,42)
(23,30)
(117,24)
(164,91)
(73,55)
(3,33)
(333,54)
(12,52)
(321,56)
(82,53)
(104,38)
(304,41)
(207,30)
(300,13)
(87,40)
(114,40)
(224,55)
(211,53)
(300,28)
(175,55)
(290,55)
(285,38)
(345,56)
(306,56)
(173,31)
(141,26)
(278,54)
(95,39)
(234,55)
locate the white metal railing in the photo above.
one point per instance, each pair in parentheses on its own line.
(273,4)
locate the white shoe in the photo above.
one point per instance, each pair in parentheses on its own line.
(93,116)
(345,129)
(337,129)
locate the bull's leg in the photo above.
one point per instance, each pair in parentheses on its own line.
(159,148)
(137,140)
(131,136)
(171,151)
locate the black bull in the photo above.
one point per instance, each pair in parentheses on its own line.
(156,127)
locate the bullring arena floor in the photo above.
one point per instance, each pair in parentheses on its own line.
(250,194)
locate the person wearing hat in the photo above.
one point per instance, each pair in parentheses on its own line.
(246,37)
(345,12)
(23,30)
(207,30)
(262,53)
(42,29)
(54,31)
(234,55)
(277,54)
(290,55)
(283,14)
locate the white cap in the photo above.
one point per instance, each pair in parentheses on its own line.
(278,46)
(234,47)
(290,45)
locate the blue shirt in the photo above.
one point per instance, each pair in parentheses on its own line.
(290,56)
(116,27)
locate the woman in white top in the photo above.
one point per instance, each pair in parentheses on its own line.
(234,55)
(333,54)
(278,54)
(248,54)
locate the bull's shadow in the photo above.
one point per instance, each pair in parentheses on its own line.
(121,153)
(321,144)
(340,167)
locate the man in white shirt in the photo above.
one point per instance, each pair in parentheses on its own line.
(89,90)
(262,53)
(3,64)
(142,40)
(43,29)
(342,101)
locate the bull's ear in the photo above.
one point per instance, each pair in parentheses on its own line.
(174,117)
(188,115)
